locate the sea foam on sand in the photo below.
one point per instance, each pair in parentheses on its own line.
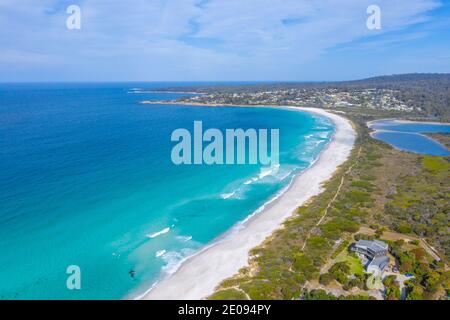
(199,275)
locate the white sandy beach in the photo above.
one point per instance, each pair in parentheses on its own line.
(200,274)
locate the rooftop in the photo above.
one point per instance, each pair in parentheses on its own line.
(374,245)
(380,262)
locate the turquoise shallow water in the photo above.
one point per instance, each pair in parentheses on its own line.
(87,180)
(410,136)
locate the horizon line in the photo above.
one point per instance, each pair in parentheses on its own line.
(220,81)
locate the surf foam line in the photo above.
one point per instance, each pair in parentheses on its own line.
(342,142)
(156,234)
(238,226)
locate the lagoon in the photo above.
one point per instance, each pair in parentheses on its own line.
(411,136)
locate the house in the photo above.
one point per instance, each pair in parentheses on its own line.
(377,265)
(374,255)
(371,249)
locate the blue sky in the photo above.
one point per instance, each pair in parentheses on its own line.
(221,40)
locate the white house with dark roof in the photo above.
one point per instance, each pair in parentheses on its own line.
(377,265)
(375,251)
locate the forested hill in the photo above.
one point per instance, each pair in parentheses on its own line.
(427,93)
(430,92)
(408,79)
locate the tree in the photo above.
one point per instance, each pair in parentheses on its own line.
(318,295)
(415,293)
(404,228)
(432,281)
(355,282)
(406,262)
(340,266)
(325,279)
(389,280)
(304,264)
(340,277)
(392,288)
(419,253)
(393,293)
(339,271)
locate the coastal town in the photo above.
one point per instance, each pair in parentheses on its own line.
(409,96)
(377,99)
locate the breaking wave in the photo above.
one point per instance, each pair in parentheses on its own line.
(156,234)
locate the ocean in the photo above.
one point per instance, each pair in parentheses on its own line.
(87,180)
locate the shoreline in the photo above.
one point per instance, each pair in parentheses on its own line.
(175,92)
(401,121)
(199,275)
(214,105)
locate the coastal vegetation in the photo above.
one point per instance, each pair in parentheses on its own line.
(430,275)
(398,195)
(420,204)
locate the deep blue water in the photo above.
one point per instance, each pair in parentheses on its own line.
(86,178)
(410,136)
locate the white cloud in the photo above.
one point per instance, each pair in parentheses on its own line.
(149,36)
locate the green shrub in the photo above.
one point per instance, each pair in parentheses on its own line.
(325,279)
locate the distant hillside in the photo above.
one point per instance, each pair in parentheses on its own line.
(428,93)
(408,78)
